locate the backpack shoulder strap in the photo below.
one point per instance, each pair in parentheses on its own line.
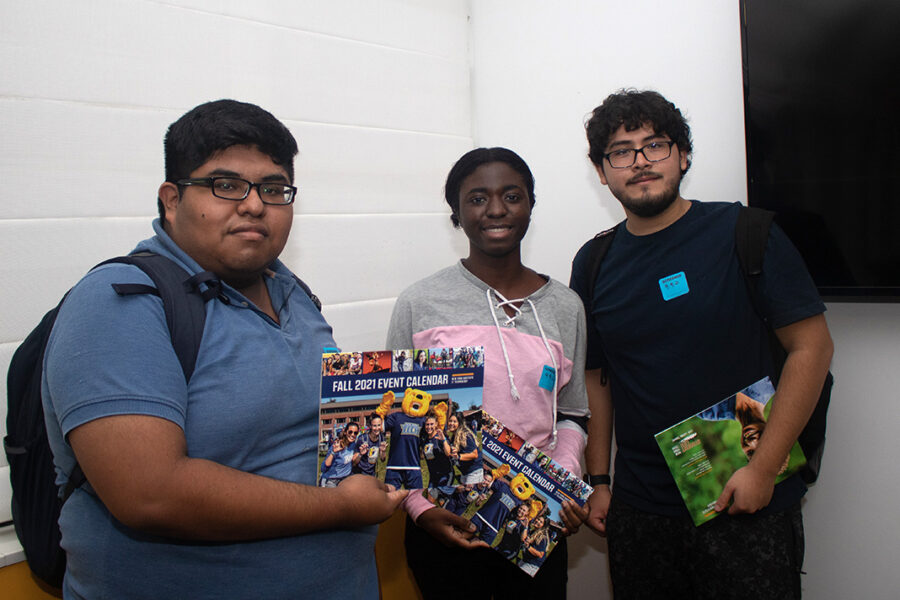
(599,246)
(597,252)
(751,232)
(184,300)
(305,288)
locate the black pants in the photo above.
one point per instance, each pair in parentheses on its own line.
(457,574)
(741,556)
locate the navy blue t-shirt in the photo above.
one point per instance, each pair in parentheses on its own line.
(404,430)
(440,470)
(669,359)
(367,459)
(501,503)
(466,467)
(540,546)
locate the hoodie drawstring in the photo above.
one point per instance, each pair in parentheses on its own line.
(511,320)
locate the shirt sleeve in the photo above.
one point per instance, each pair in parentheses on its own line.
(113,355)
(787,291)
(570,444)
(573,400)
(400,329)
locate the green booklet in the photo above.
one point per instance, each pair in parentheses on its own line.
(704,450)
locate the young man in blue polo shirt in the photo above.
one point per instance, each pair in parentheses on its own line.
(206,488)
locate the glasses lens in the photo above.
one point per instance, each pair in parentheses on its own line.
(657,151)
(276,193)
(621,158)
(229,188)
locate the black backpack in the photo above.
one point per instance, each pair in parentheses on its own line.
(36,502)
(750,235)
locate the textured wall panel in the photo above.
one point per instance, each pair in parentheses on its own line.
(433,27)
(370,257)
(350,170)
(6,352)
(360,325)
(42,259)
(150,54)
(80,160)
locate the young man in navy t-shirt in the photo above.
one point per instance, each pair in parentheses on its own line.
(671,331)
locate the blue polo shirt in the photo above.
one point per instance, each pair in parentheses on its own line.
(252,404)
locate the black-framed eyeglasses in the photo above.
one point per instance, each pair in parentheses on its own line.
(234,188)
(625,157)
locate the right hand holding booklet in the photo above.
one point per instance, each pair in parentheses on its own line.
(705,450)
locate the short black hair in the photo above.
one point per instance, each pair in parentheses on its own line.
(215,126)
(470,161)
(634,109)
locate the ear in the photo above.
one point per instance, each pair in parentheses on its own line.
(682,160)
(169,196)
(601,173)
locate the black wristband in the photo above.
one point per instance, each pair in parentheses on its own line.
(593,480)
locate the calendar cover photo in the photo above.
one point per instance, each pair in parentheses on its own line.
(407,417)
(516,506)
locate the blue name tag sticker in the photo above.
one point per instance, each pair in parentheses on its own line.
(548,378)
(673,286)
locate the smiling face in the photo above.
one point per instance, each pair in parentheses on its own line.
(494,210)
(236,240)
(645,189)
(351,432)
(488,478)
(522,511)
(376,426)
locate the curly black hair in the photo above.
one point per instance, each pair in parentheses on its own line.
(634,109)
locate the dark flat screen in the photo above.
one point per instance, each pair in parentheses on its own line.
(822,110)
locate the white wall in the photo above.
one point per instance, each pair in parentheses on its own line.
(538,69)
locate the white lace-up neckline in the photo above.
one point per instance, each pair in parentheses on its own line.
(510,321)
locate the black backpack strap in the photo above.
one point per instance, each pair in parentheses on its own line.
(76,480)
(305,288)
(599,246)
(35,503)
(597,252)
(184,300)
(751,232)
